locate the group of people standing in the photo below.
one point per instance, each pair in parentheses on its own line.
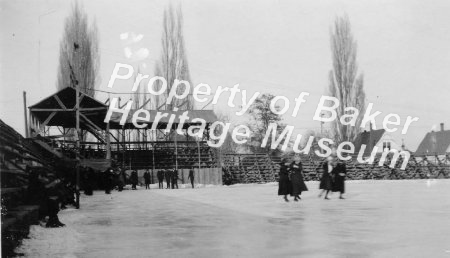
(117,177)
(292,183)
(171,176)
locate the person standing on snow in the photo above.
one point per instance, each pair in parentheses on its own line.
(174,179)
(168,175)
(134,179)
(160,175)
(191,176)
(147,179)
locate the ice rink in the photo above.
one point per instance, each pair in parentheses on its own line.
(378,219)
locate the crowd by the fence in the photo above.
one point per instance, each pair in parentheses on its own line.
(118,178)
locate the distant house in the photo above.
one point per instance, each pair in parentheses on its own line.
(435,143)
(375,138)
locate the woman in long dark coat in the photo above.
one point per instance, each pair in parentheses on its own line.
(108,177)
(296,172)
(284,184)
(134,179)
(326,182)
(147,179)
(121,179)
(339,179)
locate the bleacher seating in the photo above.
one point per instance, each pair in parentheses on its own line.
(262,168)
(17,154)
(164,156)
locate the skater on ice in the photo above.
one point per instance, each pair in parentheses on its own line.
(284,184)
(296,173)
(339,174)
(326,183)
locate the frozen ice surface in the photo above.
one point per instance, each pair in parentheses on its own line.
(408,218)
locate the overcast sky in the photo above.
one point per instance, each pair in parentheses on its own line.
(280,47)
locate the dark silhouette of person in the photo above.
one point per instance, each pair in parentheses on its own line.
(121,179)
(160,175)
(88,180)
(168,175)
(339,174)
(296,172)
(147,179)
(326,181)
(191,176)
(174,179)
(37,192)
(284,183)
(134,179)
(108,180)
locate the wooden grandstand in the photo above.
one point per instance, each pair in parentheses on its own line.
(130,147)
(17,156)
(262,168)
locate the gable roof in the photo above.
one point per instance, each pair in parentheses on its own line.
(369,138)
(67,97)
(434,143)
(62,104)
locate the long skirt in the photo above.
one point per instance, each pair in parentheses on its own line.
(284,185)
(326,182)
(339,184)
(298,185)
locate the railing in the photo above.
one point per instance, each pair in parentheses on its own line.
(160,154)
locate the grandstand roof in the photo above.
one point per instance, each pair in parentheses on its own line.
(59,110)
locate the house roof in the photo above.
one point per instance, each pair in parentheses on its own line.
(369,138)
(434,143)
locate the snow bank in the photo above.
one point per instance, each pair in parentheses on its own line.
(53,242)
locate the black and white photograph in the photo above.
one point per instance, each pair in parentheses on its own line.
(204,128)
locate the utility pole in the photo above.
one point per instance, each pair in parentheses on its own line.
(77,127)
(27,133)
(321,125)
(321,130)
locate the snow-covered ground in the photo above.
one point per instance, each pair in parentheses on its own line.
(378,219)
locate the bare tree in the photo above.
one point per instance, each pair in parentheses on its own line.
(345,85)
(173,63)
(79,50)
